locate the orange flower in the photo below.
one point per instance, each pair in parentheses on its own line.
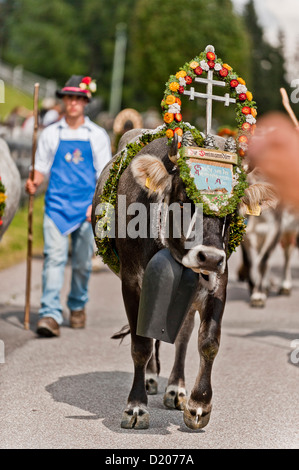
(241,152)
(181,74)
(178,131)
(240,80)
(249,95)
(170,99)
(226,66)
(169,133)
(178,101)
(253,112)
(174,86)
(243,139)
(194,64)
(168,117)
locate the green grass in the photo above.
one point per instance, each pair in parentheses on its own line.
(13,246)
(14,98)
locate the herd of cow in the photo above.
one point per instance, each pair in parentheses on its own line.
(208,259)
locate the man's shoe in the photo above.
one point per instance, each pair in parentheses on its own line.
(47,327)
(77,319)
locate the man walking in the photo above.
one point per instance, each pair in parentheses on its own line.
(71,153)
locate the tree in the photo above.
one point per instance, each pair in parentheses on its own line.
(267,64)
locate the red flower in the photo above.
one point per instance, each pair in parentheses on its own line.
(246,110)
(211,56)
(178,117)
(223,72)
(188,79)
(211,64)
(1,222)
(181,89)
(246,126)
(86,80)
(198,70)
(242,96)
(234,83)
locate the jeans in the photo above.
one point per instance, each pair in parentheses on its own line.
(55,258)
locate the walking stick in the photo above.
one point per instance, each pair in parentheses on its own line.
(30,211)
(286,103)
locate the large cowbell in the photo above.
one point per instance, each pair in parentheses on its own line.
(168,290)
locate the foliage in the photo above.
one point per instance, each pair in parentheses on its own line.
(13,246)
(267,64)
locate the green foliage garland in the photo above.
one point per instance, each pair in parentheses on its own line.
(2,200)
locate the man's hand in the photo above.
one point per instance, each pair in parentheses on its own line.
(32,184)
(88,213)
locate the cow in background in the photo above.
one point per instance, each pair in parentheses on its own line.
(274,226)
(11,179)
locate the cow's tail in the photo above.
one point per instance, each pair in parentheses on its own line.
(125,330)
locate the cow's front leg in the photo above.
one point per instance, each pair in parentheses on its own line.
(175,396)
(136,414)
(198,408)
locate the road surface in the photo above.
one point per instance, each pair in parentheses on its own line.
(69,392)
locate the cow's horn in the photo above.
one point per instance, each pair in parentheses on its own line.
(173,151)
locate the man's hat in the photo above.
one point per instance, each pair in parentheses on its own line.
(78,85)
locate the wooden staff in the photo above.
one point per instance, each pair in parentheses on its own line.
(30,211)
(286,103)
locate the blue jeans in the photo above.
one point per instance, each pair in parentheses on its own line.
(55,258)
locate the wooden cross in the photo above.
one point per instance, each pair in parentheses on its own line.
(209,96)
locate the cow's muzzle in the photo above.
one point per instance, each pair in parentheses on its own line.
(205,259)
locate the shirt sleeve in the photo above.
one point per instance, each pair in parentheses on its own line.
(101,148)
(46,147)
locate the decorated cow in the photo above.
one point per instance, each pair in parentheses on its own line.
(167,214)
(10,187)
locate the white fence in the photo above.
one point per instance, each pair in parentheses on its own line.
(24,80)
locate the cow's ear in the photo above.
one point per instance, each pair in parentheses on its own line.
(151,174)
(257,198)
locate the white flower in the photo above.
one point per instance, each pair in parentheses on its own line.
(174,108)
(182,81)
(241,89)
(250,119)
(217,67)
(83,86)
(204,65)
(93,87)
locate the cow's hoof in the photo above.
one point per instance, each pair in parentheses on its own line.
(285,291)
(258,300)
(196,418)
(135,418)
(151,385)
(175,397)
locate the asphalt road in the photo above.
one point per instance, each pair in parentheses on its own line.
(69,392)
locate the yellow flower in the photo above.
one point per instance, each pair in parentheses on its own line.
(194,64)
(249,95)
(181,74)
(2,197)
(170,99)
(174,86)
(169,133)
(226,66)
(240,80)
(253,112)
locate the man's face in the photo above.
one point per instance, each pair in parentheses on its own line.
(74,105)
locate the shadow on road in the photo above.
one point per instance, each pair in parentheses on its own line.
(104,395)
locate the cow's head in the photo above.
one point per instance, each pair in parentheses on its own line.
(206,254)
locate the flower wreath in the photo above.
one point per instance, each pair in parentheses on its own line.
(171,105)
(2,200)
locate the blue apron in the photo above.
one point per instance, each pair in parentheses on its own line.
(71,185)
